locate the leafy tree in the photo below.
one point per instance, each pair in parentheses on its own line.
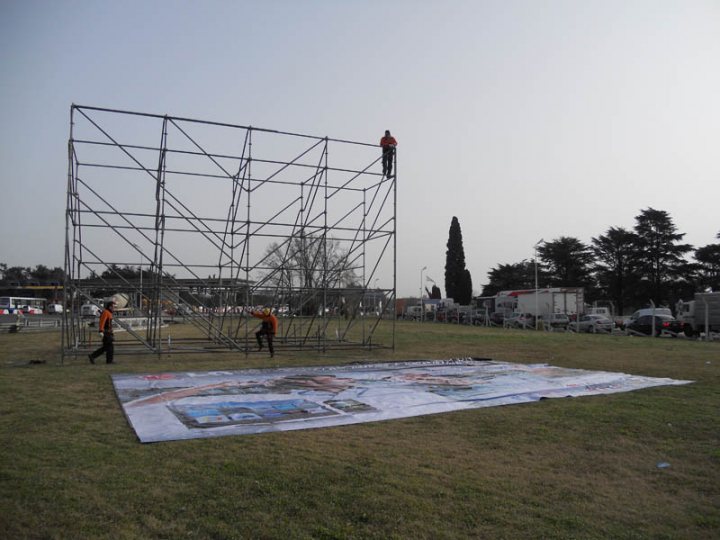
(661,266)
(23,275)
(510,276)
(56,275)
(41,273)
(708,267)
(18,274)
(307,263)
(116,272)
(614,258)
(567,261)
(458,282)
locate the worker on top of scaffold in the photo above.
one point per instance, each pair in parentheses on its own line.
(388,144)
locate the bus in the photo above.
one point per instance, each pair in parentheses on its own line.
(21,305)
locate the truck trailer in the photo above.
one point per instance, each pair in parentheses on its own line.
(544,302)
(700,315)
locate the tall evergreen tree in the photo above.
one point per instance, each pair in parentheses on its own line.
(465,294)
(708,267)
(662,268)
(458,283)
(614,255)
(567,261)
(507,277)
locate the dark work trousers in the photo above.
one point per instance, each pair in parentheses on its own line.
(388,153)
(267,332)
(107,347)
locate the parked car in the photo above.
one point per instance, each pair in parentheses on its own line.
(520,320)
(32,310)
(595,323)
(605,312)
(646,311)
(413,313)
(497,318)
(478,317)
(556,320)
(643,325)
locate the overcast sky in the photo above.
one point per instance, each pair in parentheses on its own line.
(525,119)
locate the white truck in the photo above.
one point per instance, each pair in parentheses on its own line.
(700,315)
(89,310)
(568,300)
(54,308)
(413,312)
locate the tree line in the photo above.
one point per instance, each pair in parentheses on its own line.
(26,275)
(627,267)
(19,276)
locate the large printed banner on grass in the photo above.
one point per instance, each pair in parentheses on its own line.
(172,406)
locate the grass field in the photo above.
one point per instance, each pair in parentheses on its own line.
(71,467)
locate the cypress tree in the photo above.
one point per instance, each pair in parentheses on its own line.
(458,282)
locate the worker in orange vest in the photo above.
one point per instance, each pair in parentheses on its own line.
(105,327)
(268,328)
(388,144)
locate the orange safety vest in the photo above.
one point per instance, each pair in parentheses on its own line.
(106,321)
(272,319)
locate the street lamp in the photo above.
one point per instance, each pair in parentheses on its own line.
(141,261)
(537,307)
(422,307)
(376,294)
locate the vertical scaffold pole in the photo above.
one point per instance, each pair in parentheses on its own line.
(363,298)
(248,219)
(325,318)
(68,204)
(155,311)
(394,222)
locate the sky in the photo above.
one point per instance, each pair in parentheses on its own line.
(525,119)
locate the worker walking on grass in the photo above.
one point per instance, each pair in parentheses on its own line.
(106,329)
(268,328)
(388,144)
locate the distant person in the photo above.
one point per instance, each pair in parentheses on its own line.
(106,329)
(388,144)
(268,328)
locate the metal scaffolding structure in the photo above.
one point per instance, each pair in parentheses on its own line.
(198,221)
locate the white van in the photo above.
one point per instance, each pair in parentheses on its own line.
(89,310)
(605,312)
(54,308)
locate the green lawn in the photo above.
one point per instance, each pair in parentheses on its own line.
(71,467)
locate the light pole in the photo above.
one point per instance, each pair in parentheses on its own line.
(140,295)
(652,328)
(537,307)
(375,294)
(422,307)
